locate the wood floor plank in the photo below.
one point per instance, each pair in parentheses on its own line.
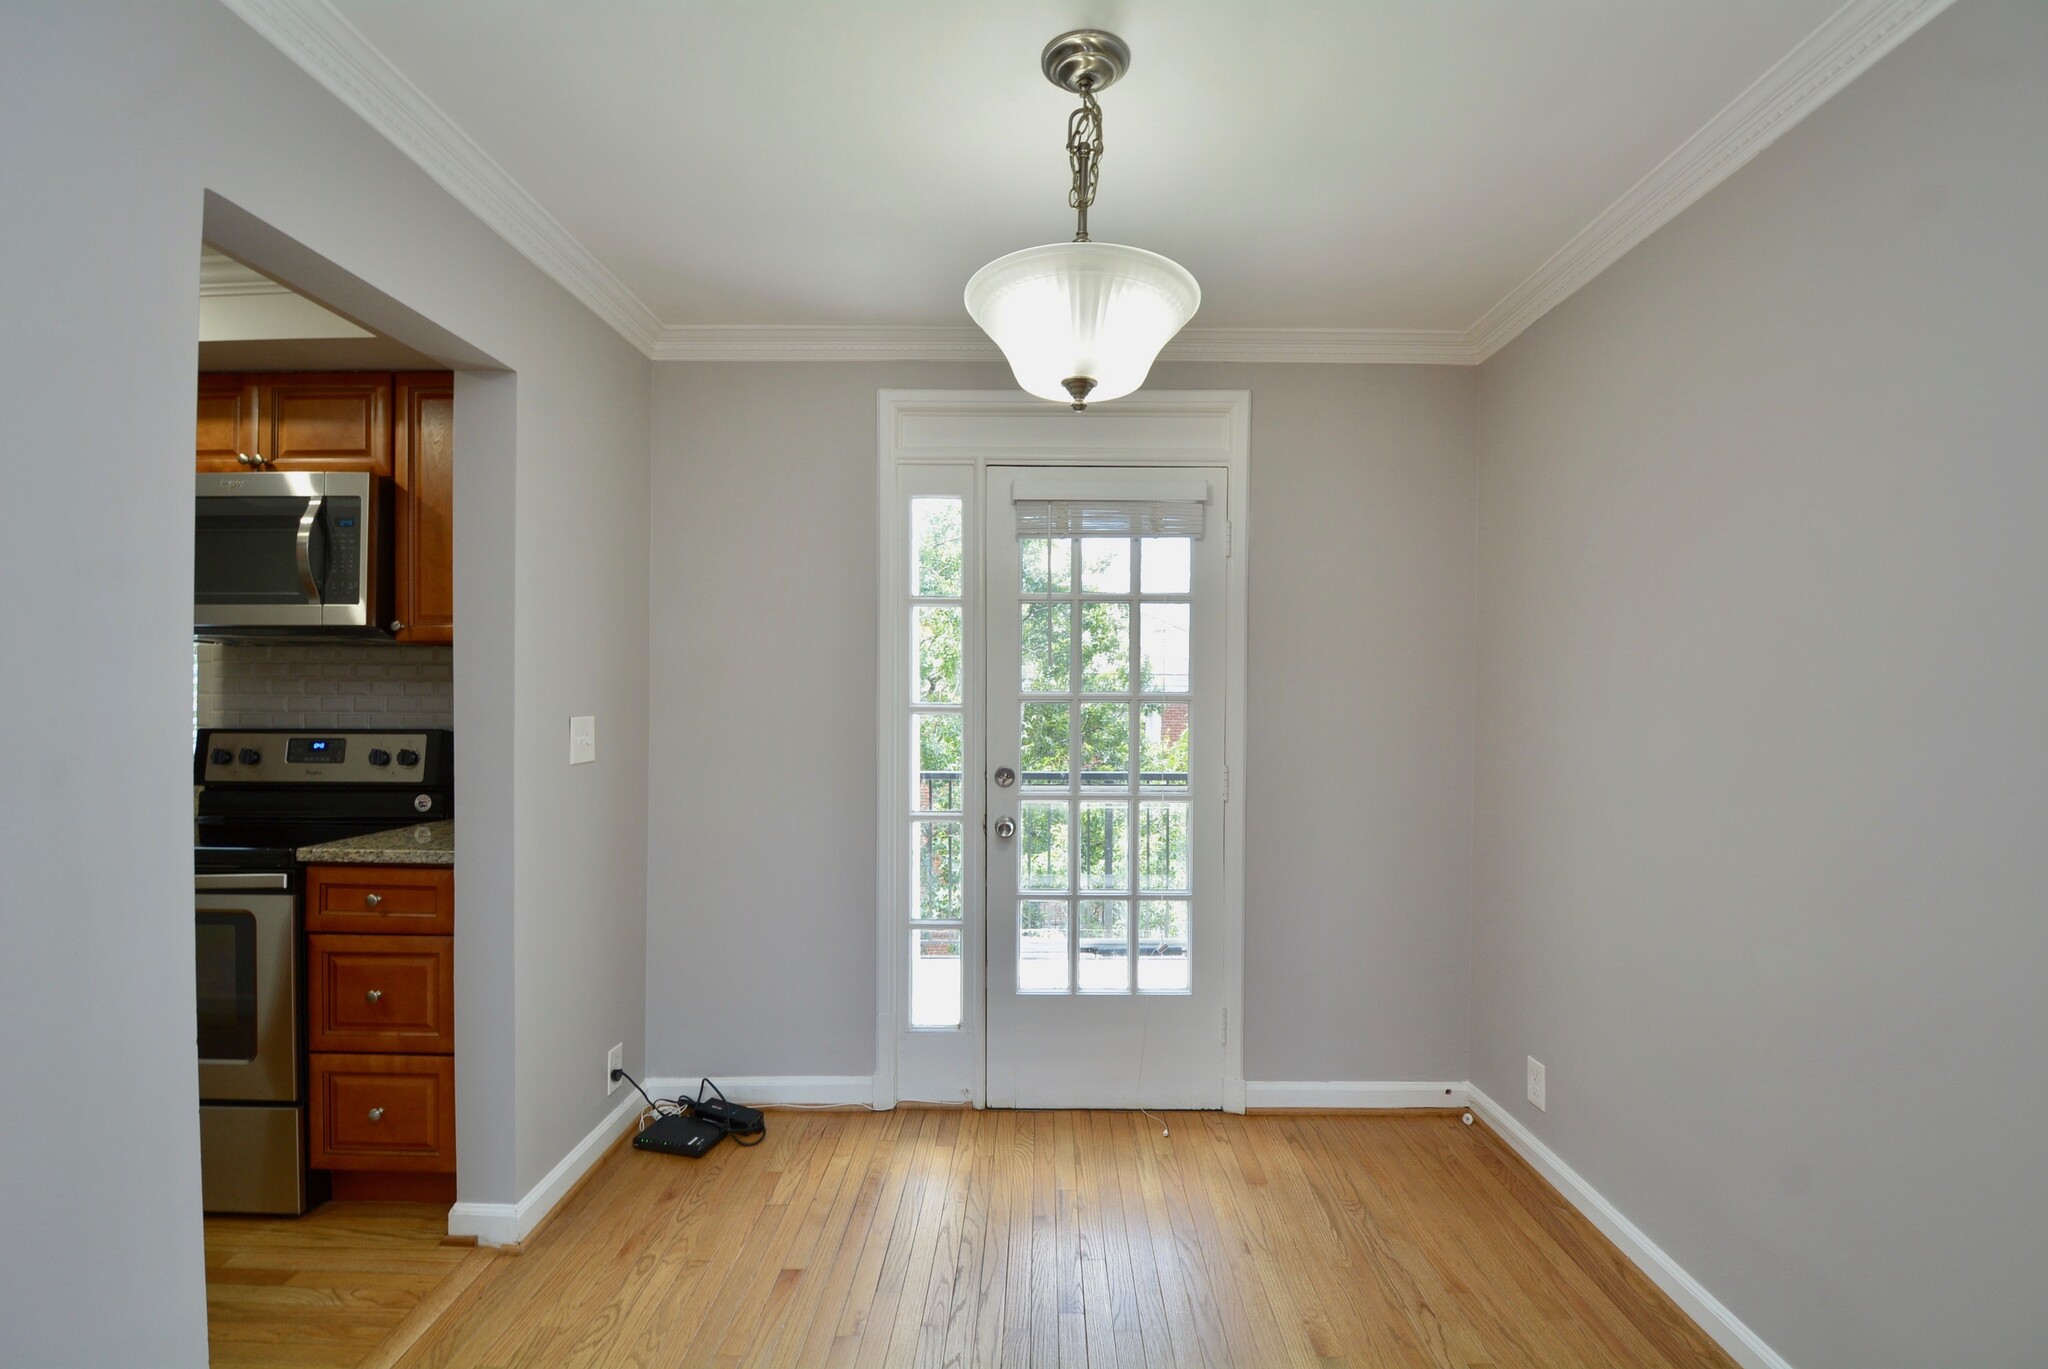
(1023,1238)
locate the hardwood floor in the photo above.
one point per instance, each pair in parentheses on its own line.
(928,1236)
(326,1289)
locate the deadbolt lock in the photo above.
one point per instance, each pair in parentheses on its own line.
(1005,777)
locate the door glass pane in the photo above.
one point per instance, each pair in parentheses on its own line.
(935,762)
(1163,945)
(1042,946)
(1046,566)
(935,547)
(935,977)
(937,633)
(1163,737)
(1106,746)
(1163,846)
(1105,565)
(1163,647)
(1104,962)
(1047,647)
(935,870)
(1106,648)
(1163,564)
(1104,863)
(1042,845)
(1042,746)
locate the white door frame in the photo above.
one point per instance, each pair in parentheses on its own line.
(961,433)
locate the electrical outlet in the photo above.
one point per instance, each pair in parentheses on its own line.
(614,1059)
(1536,1083)
(582,740)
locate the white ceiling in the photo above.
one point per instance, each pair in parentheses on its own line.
(1428,174)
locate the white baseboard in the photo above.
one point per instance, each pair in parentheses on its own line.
(1713,1317)
(510,1223)
(1364,1094)
(773,1090)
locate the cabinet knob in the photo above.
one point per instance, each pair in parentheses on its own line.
(376,1114)
(372,900)
(373,995)
(397,626)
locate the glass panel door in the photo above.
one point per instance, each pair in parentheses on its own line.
(1104,711)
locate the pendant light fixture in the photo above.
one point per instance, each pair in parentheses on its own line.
(1082,320)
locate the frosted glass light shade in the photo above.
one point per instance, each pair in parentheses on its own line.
(1093,309)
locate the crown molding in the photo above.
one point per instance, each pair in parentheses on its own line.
(1830,57)
(334,53)
(330,49)
(1331,346)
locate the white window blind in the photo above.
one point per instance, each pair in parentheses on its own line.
(1141,509)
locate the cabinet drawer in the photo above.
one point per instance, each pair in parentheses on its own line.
(381,993)
(382,900)
(383,1112)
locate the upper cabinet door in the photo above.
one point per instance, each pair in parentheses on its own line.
(227,422)
(424,455)
(325,422)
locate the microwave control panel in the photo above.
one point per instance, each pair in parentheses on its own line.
(345,547)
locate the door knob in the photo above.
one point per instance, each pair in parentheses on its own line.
(1006,827)
(373,995)
(372,900)
(1005,777)
(376,1114)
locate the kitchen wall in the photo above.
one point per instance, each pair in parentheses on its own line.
(761,854)
(340,684)
(123,115)
(1763,746)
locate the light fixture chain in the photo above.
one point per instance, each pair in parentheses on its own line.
(1084,153)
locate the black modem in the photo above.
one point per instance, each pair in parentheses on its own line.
(676,1134)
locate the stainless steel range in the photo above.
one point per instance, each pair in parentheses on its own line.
(266,793)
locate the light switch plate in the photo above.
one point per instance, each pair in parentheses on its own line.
(582,740)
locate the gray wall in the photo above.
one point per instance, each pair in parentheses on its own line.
(120,118)
(761,850)
(1763,745)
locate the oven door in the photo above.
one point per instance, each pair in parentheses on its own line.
(283,549)
(248,989)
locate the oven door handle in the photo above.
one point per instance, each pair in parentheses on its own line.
(303,546)
(254,880)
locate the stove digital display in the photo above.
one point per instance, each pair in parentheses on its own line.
(315,750)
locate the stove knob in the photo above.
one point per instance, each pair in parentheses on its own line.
(251,756)
(222,756)
(408,758)
(379,756)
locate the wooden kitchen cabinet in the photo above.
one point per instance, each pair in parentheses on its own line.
(296,421)
(381,993)
(380,1028)
(423,456)
(227,422)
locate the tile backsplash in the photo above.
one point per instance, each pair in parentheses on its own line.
(331,684)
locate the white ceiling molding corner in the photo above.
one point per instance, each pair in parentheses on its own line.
(1329,346)
(1830,57)
(222,277)
(314,35)
(1325,346)
(335,54)
(805,342)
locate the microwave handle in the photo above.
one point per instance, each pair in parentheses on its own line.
(304,547)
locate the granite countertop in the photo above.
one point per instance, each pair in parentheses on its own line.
(423,843)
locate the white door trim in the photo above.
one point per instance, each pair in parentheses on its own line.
(975,429)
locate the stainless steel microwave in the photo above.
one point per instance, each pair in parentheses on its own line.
(291,551)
